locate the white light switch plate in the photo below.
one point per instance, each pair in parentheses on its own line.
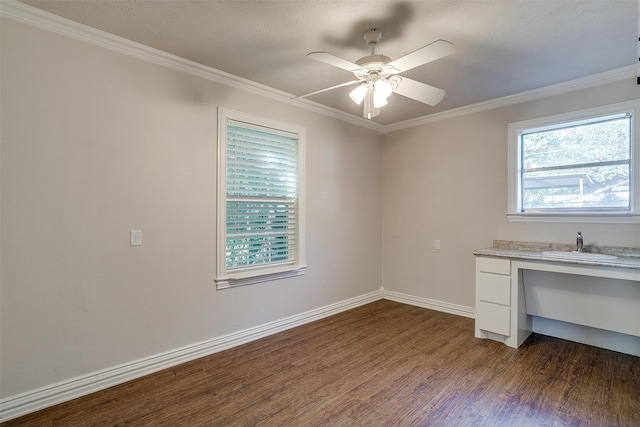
(136,237)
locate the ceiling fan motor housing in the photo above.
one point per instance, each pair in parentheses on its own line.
(373,62)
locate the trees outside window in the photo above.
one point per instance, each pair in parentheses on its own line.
(576,166)
(582,165)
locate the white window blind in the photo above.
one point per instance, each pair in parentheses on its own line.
(260,200)
(261,196)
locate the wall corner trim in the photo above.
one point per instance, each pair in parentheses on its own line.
(611,76)
(38,18)
(445,307)
(21,12)
(34,400)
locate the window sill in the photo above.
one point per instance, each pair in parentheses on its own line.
(232,281)
(585,218)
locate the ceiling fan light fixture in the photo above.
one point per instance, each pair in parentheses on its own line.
(377,75)
(370,109)
(383,88)
(394,81)
(379,100)
(357,95)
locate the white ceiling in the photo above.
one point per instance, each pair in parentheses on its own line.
(503,47)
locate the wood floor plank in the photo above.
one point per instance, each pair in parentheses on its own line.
(382,364)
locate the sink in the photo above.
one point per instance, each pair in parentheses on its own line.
(587,256)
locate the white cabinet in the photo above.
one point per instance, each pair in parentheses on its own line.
(493,298)
(493,288)
(571,303)
(493,318)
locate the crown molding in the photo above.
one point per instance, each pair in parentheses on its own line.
(30,15)
(611,76)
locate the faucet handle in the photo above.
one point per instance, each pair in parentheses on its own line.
(579,242)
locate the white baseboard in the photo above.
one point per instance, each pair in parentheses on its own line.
(44,397)
(445,307)
(31,401)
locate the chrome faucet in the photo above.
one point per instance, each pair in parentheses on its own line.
(579,241)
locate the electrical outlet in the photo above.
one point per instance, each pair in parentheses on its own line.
(135,237)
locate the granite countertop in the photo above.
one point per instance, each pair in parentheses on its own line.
(627,257)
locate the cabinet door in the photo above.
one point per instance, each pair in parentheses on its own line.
(493,265)
(493,288)
(493,318)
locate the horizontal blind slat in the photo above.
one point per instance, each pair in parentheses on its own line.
(246,147)
(261,223)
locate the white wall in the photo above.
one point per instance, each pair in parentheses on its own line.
(96,143)
(447,180)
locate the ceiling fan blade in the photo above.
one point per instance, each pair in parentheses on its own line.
(431,52)
(419,91)
(336,61)
(328,89)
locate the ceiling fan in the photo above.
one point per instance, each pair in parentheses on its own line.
(378,74)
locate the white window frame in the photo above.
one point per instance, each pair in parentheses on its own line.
(256,274)
(514,212)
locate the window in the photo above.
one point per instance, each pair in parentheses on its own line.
(577,166)
(260,200)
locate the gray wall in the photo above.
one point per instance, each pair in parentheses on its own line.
(96,143)
(447,180)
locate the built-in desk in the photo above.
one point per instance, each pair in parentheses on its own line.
(520,290)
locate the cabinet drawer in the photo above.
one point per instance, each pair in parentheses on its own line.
(493,265)
(493,288)
(493,318)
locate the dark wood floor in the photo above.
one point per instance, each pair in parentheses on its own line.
(383,364)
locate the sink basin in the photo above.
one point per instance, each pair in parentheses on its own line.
(579,255)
